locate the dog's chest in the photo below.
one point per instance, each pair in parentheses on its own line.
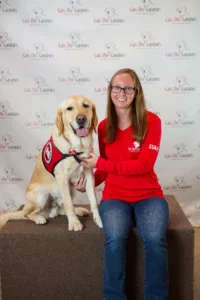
(70,168)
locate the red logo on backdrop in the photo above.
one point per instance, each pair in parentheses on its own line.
(48,152)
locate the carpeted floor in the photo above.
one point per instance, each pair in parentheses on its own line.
(196,266)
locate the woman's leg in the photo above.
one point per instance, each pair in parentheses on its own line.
(116,217)
(152,216)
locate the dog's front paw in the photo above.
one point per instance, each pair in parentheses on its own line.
(53,213)
(40,220)
(97,219)
(75,225)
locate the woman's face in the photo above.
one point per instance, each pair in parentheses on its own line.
(122,99)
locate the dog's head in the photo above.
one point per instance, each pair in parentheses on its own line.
(146,2)
(4,106)
(75,71)
(39,148)
(181,45)
(77,116)
(3,36)
(74,2)
(107,80)
(110,46)
(180,147)
(181,114)
(4,71)
(6,138)
(146,35)
(136,144)
(10,204)
(38,11)
(110,11)
(3,3)
(48,151)
(74,36)
(146,70)
(39,46)
(181,80)
(9,171)
(181,10)
(179,180)
(40,115)
(40,81)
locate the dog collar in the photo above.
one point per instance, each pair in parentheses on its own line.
(74,154)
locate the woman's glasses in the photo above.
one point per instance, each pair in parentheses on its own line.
(126,90)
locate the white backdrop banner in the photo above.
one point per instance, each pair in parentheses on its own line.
(50,50)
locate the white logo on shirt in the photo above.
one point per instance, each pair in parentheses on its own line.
(136,144)
(135,148)
(153,147)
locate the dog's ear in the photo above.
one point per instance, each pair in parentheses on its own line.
(59,122)
(94,119)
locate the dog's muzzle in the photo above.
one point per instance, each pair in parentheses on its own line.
(82,131)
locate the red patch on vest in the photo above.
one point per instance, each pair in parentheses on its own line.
(51,156)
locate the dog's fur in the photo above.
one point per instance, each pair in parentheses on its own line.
(48,196)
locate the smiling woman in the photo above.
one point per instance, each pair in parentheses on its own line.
(125,97)
(129,140)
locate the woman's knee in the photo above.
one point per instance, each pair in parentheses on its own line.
(115,241)
(117,221)
(155,240)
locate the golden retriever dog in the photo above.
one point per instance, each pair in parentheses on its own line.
(50,192)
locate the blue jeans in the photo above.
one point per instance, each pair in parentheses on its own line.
(151,217)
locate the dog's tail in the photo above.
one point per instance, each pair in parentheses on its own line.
(17,215)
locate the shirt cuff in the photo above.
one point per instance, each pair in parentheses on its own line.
(100,164)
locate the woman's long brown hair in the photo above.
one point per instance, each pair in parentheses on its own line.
(139,111)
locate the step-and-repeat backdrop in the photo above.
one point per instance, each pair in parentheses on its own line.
(50,50)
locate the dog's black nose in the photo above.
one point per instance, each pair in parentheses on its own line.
(81,119)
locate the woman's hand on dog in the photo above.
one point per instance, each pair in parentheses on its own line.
(80,186)
(91,161)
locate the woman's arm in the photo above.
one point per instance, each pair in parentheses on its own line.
(145,161)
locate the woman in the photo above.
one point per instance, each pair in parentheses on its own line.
(129,140)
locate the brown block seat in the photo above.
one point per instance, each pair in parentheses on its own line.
(50,262)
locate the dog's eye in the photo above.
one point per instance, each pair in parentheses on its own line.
(85,105)
(69,108)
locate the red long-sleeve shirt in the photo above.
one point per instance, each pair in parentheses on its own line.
(128,167)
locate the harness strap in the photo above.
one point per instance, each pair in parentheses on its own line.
(74,154)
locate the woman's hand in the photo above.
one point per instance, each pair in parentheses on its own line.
(91,161)
(88,163)
(80,186)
